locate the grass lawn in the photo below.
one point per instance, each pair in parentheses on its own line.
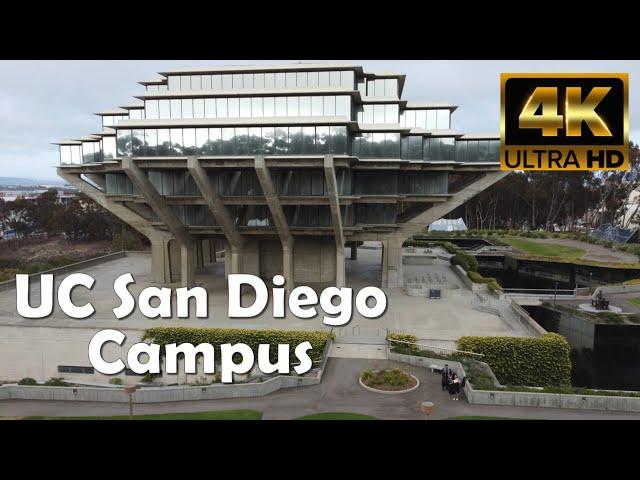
(635,301)
(217,415)
(337,416)
(479,417)
(545,249)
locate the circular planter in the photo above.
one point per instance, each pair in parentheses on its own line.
(391,392)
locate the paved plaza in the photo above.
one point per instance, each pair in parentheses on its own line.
(35,347)
(446,319)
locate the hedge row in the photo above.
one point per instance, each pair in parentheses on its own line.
(217,336)
(491,282)
(401,337)
(466,261)
(524,361)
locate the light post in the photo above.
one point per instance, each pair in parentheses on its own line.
(555,293)
(590,287)
(130,391)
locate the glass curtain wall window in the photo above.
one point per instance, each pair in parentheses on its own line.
(256,107)
(289,79)
(487,151)
(278,140)
(433,119)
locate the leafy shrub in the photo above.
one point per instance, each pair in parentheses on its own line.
(450,247)
(466,261)
(115,381)
(541,361)
(149,377)
(394,377)
(28,381)
(125,240)
(491,282)
(634,318)
(252,338)
(610,317)
(416,243)
(633,248)
(56,382)
(400,337)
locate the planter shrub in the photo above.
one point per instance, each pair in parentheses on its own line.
(400,337)
(216,336)
(491,282)
(525,361)
(466,261)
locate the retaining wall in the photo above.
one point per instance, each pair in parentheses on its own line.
(165,394)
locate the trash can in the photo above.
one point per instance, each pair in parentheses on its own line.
(426,408)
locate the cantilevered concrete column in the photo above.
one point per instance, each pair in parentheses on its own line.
(439,210)
(336,218)
(278,216)
(234,239)
(164,212)
(392,244)
(160,269)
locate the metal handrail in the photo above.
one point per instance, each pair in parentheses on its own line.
(432,347)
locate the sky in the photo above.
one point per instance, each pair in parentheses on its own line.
(45,101)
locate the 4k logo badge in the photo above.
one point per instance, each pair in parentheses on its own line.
(564,121)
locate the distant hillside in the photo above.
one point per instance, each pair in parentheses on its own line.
(29,181)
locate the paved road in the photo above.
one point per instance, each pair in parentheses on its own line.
(339,392)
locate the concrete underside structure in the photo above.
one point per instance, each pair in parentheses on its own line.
(283,165)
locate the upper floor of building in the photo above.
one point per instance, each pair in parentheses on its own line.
(298,109)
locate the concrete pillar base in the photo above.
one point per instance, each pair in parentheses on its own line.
(160,262)
(187,265)
(340,268)
(392,276)
(287,267)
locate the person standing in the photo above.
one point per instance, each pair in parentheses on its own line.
(446,373)
(455,387)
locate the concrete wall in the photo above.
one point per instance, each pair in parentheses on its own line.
(459,271)
(616,289)
(155,394)
(579,332)
(314,260)
(166,394)
(553,400)
(529,324)
(270,259)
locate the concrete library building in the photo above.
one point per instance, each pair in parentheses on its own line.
(281,166)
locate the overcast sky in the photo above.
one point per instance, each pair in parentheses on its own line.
(45,101)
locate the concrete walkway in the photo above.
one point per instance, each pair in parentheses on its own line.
(339,392)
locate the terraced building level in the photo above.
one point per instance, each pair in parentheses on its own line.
(280,166)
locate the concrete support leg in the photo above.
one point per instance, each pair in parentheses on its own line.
(287,267)
(278,216)
(159,205)
(392,264)
(187,265)
(340,268)
(160,262)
